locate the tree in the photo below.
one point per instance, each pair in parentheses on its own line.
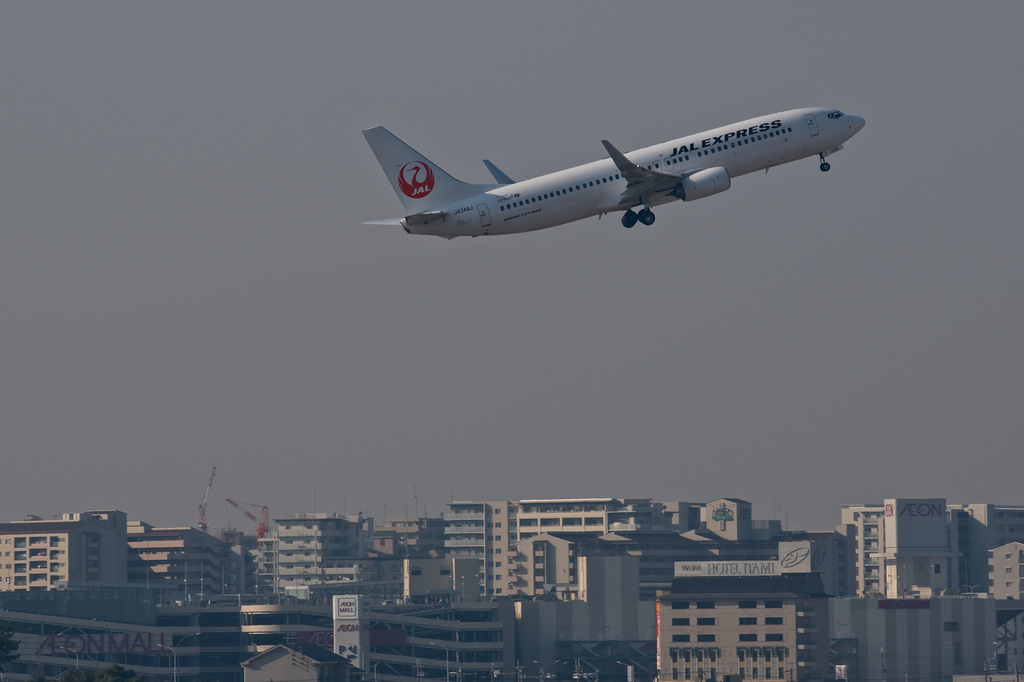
(8,645)
(116,673)
(112,673)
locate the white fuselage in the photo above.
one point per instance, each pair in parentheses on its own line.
(596,188)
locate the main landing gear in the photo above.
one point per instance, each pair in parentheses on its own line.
(824,164)
(645,216)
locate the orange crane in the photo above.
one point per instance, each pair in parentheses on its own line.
(262,523)
(202,506)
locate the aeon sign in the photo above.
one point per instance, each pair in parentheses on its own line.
(916,523)
(416,180)
(922,509)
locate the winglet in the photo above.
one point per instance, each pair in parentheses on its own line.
(621,162)
(498,174)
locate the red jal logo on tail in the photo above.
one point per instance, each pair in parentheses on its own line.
(416,180)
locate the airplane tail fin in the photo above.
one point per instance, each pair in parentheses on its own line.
(421,185)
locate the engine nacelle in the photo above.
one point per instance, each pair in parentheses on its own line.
(704,183)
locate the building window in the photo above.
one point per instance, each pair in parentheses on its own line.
(680,621)
(773,637)
(705,621)
(748,605)
(773,620)
(680,604)
(705,605)
(747,637)
(680,638)
(748,621)
(772,604)
(705,638)
(951,626)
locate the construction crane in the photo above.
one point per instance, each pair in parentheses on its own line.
(202,506)
(262,523)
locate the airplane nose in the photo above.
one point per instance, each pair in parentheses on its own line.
(856,122)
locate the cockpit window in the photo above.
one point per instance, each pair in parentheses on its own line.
(836,114)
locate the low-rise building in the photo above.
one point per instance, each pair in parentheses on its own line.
(308,663)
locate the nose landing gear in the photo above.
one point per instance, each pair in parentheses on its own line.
(824,164)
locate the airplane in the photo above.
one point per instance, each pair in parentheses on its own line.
(686,169)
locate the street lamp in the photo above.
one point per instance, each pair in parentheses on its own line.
(174,655)
(447,672)
(72,651)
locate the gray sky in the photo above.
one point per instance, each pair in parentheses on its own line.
(184,281)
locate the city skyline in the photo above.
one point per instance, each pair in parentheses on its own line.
(187,283)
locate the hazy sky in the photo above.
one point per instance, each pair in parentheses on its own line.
(185,282)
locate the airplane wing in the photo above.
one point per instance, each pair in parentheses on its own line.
(639,181)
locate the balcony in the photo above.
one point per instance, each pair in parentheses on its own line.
(464,542)
(463,516)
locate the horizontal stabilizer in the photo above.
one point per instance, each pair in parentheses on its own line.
(424,218)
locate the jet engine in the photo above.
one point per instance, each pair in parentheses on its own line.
(704,183)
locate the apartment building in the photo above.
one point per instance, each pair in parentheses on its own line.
(1006,571)
(82,549)
(183,562)
(313,549)
(421,537)
(491,531)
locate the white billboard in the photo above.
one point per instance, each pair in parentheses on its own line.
(351,630)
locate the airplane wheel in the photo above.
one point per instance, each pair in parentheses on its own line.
(824,167)
(646,217)
(629,219)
